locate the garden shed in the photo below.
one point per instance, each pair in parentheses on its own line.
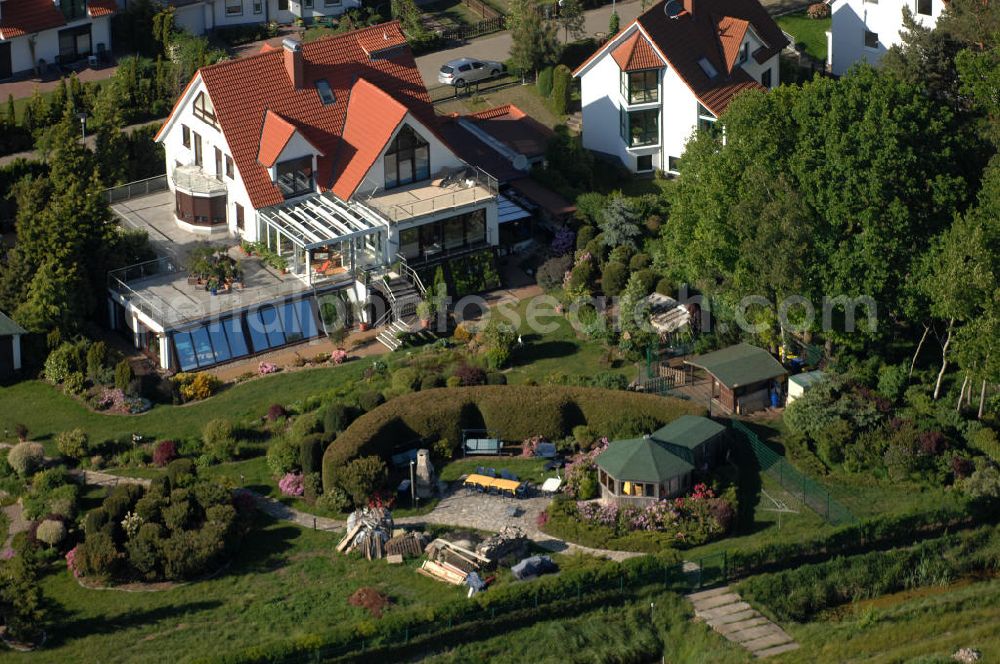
(10,347)
(799,384)
(699,440)
(641,471)
(745,378)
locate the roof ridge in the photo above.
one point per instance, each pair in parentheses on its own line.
(496,111)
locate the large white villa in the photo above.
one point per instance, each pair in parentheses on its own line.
(863,30)
(673,70)
(328,154)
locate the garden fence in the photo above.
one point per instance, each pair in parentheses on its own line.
(484,27)
(541,604)
(814,496)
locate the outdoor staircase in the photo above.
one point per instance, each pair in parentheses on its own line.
(403,292)
(726,613)
(574,122)
(387,336)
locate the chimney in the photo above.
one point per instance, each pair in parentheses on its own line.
(292,51)
(689,6)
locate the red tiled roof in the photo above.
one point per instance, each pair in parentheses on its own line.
(372,117)
(22,17)
(515,129)
(242,90)
(687,38)
(274,136)
(374,41)
(636,53)
(731,34)
(98,8)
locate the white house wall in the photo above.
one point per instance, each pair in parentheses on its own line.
(680,116)
(47,44)
(201,18)
(190,19)
(173,147)
(850,20)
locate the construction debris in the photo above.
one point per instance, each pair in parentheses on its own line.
(442,572)
(407,544)
(533,567)
(394,559)
(511,540)
(368,531)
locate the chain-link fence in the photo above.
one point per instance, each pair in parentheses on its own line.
(814,496)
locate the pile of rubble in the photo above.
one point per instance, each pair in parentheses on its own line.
(510,541)
(452,563)
(368,531)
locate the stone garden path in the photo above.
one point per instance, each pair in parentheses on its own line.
(16,523)
(726,613)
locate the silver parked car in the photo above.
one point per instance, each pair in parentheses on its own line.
(468,70)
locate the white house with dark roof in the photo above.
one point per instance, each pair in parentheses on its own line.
(672,70)
(863,30)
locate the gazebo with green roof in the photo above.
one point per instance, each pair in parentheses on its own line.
(641,471)
(698,440)
(743,377)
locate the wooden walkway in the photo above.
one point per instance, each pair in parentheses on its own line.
(729,615)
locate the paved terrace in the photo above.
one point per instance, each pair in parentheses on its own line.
(167,296)
(420,199)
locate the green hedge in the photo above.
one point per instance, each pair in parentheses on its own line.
(515,412)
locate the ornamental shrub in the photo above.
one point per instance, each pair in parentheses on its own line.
(275,412)
(311,453)
(283,456)
(818,10)
(470,375)
(97,556)
(26,458)
(430,381)
(164,452)
(334,499)
(143,551)
(370,400)
(97,356)
(640,261)
(306,424)
(196,386)
(362,478)
(498,340)
(181,472)
(51,532)
(124,376)
(291,484)
(613,278)
(75,383)
(562,79)
(73,443)
(551,273)
(544,82)
(219,436)
(586,233)
(405,379)
(338,417)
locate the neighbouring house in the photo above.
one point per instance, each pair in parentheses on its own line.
(698,440)
(506,142)
(672,71)
(745,378)
(801,383)
(640,471)
(863,30)
(35,34)
(201,16)
(10,347)
(329,155)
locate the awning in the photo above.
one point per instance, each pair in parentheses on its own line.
(321,219)
(508,210)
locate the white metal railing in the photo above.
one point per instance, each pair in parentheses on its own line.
(467,186)
(197,181)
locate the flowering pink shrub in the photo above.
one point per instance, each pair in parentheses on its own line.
(71,561)
(530,445)
(291,484)
(581,471)
(339,356)
(542,519)
(265,368)
(7,554)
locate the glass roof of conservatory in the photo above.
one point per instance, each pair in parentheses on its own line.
(320,219)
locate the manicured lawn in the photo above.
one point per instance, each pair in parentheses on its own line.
(524,97)
(929,624)
(286,582)
(526,469)
(808,31)
(46,411)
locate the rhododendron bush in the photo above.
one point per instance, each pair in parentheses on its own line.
(292,484)
(581,472)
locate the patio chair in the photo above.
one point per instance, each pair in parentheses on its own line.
(505,474)
(321,269)
(492,472)
(480,470)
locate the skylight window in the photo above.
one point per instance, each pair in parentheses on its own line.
(325,92)
(707,67)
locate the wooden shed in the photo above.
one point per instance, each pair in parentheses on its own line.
(640,471)
(698,440)
(10,347)
(743,377)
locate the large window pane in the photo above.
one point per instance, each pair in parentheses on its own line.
(475,226)
(237,341)
(409,243)
(454,232)
(295,177)
(185,351)
(643,86)
(307,319)
(219,342)
(290,322)
(407,159)
(644,127)
(257,334)
(272,326)
(202,347)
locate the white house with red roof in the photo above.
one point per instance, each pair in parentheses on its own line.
(671,71)
(201,16)
(36,32)
(329,155)
(863,31)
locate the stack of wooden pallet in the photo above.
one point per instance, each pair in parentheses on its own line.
(367,531)
(451,563)
(408,545)
(443,572)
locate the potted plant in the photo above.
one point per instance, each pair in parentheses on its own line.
(359,311)
(424,313)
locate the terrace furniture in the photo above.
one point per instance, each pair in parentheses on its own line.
(321,269)
(492,472)
(551,485)
(507,475)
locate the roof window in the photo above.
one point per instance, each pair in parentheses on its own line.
(325,92)
(707,67)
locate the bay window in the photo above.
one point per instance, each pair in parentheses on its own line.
(640,128)
(640,87)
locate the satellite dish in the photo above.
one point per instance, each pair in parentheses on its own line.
(520,162)
(673,8)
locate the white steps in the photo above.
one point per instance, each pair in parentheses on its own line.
(728,614)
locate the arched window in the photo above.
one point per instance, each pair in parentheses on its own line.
(407,160)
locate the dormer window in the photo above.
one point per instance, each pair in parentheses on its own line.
(707,67)
(407,160)
(325,92)
(744,53)
(203,109)
(295,177)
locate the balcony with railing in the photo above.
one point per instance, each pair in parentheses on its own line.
(194,180)
(465,187)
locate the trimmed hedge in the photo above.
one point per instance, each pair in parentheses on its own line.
(514,412)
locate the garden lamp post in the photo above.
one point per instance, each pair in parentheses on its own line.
(413,486)
(82,117)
